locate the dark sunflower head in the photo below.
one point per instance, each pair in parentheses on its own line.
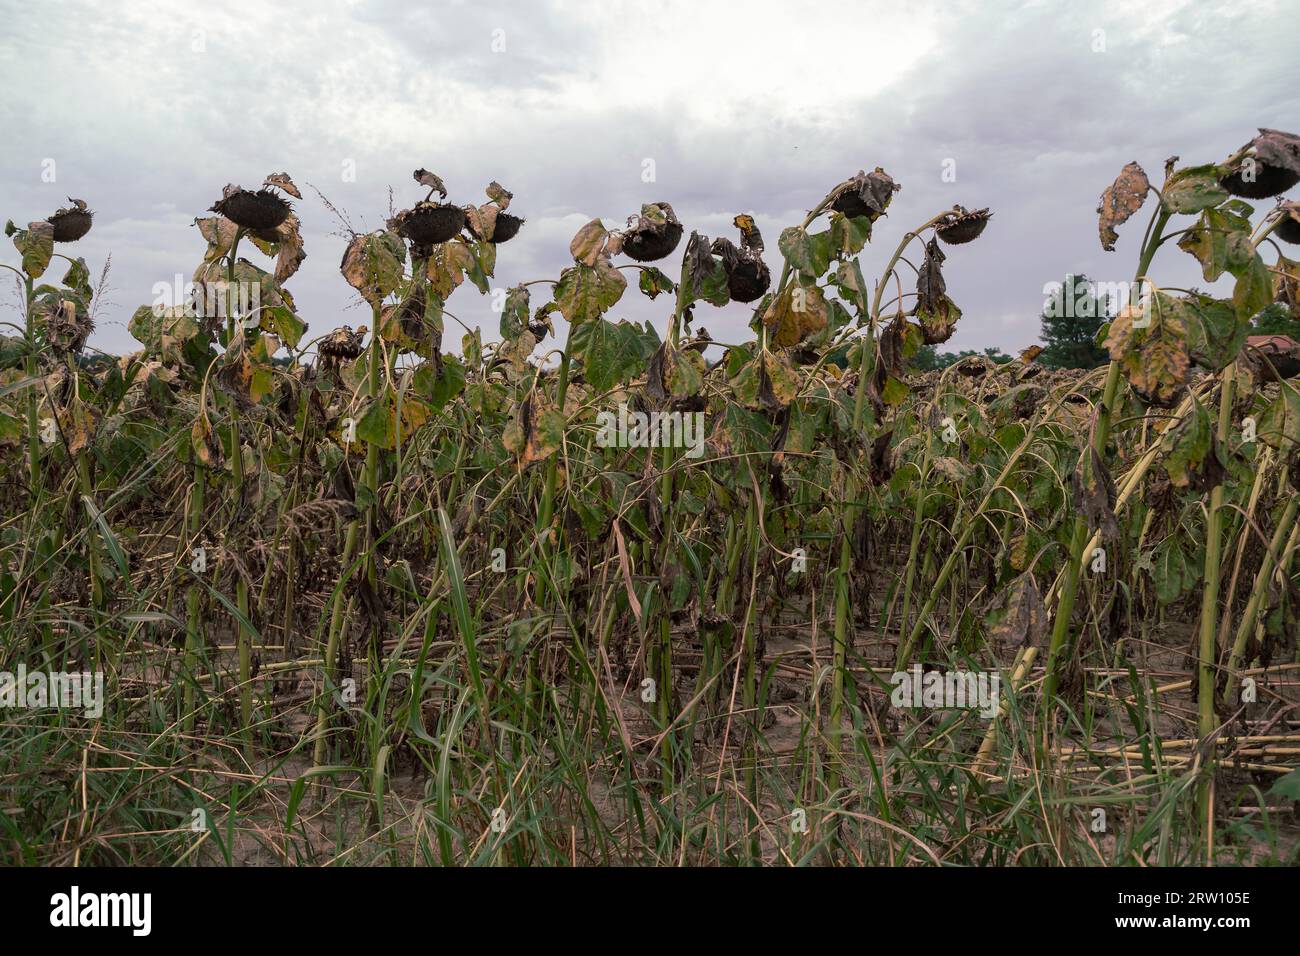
(748,276)
(256,211)
(1270,167)
(507,227)
(72,223)
(504,228)
(866,194)
(1255,179)
(341,345)
(1288,228)
(652,235)
(66,326)
(410,314)
(962,225)
(429,223)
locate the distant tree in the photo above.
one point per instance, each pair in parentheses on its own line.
(929,358)
(1071,320)
(1275,319)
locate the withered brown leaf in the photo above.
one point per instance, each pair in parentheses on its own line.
(1121,199)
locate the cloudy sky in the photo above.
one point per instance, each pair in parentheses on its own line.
(147,110)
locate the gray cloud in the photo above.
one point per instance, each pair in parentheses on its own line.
(149,110)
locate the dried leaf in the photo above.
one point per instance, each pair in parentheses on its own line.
(499,195)
(282,181)
(1094,492)
(1121,199)
(1022,621)
(588,244)
(426,178)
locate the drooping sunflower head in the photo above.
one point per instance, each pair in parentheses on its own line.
(72,223)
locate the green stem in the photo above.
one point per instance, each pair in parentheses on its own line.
(33,415)
(1207,657)
(1286,526)
(1100,436)
(194,637)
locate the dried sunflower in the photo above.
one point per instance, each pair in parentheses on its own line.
(66,327)
(866,194)
(507,227)
(1288,229)
(342,345)
(258,212)
(71,224)
(1272,166)
(962,225)
(428,223)
(748,276)
(652,235)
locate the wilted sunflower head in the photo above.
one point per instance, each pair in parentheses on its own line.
(66,327)
(72,223)
(256,211)
(1270,167)
(653,234)
(342,344)
(428,223)
(962,225)
(866,194)
(1288,227)
(748,276)
(507,227)
(504,226)
(750,237)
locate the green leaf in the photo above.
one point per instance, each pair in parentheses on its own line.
(1193,189)
(1187,446)
(809,254)
(1279,426)
(1254,288)
(440,382)
(482,262)
(767,381)
(652,282)
(514,313)
(610,353)
(587,292)
(684,372)
(379,424)
(1220,242)
(895,391)
(1172,572)
(1287,787)
(713,286)
(36,244)
(77,278)
(373,264)
(11,427)
(283,322)
(1214,332)
(848,235)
